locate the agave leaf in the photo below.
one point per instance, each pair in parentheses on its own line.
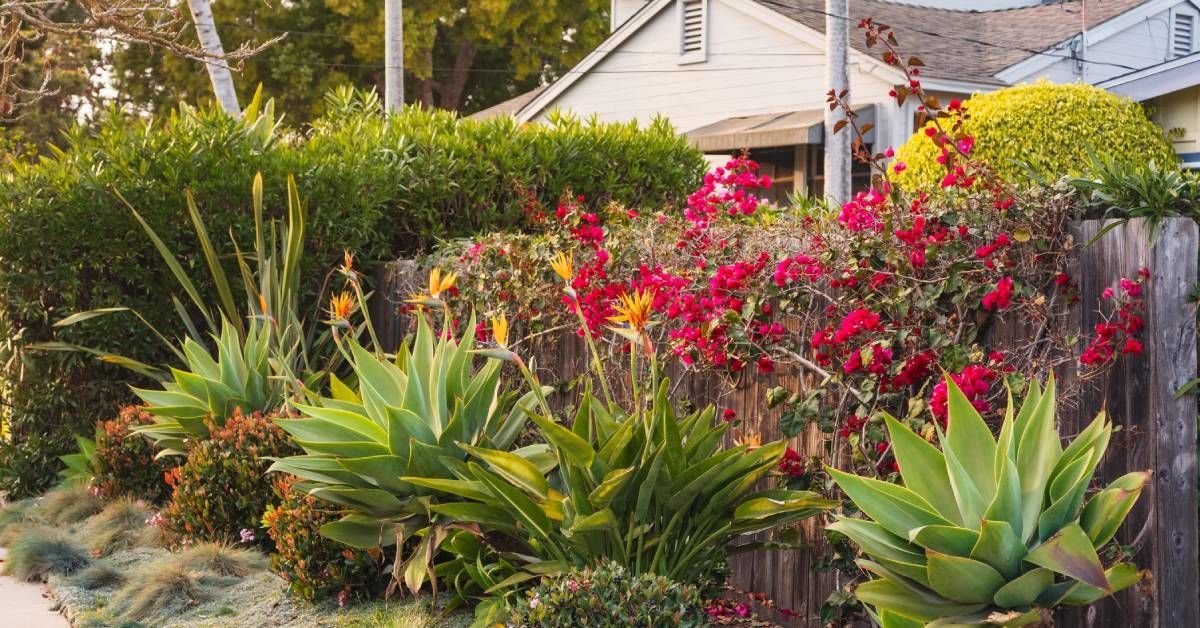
(320,468)
(384,471)
(876,541)
(1070,553)
(1025,589)
(923,469)
(896,508)
(962,579)
(375,502)
(1120,576)
(1005,445)
(1038,450)
(361,531)
(888,619)
(494,517)
(333,424)
(1067,492)
(1000,547)
(971,501)
(912,576)
(886,595)
(971,442)
(1091,442)
(600,520)
(986,617)
(1105,511)
(468,489)
(404,426)
(341,391)
(952,540)
(1007,504)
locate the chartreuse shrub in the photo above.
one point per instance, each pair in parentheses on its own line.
(221,492)
(125,463)
(378,185)
(1045,126)
(987,531)
(316,567)
(608,596)
(407,418)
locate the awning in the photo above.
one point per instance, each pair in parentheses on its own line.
(771,129)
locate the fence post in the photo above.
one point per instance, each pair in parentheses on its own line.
(1156,431)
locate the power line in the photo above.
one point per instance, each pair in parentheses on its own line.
(968,40)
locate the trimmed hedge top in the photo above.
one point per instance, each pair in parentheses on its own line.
(381,186)
(1048,126)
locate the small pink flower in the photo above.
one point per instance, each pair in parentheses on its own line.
(899,167)
(247,535)
(1107,294)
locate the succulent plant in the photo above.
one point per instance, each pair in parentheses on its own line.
(988,531)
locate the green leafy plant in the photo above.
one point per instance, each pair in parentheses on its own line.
(125,463)
(222,489)
(1114,188)
(209,391)
(988,530)
(406,419)
(606,596)
(313,566)
(80,469)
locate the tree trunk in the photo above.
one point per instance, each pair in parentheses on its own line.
(218,70)
(837,78)
(452,91)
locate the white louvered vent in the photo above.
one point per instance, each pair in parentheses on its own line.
(1183,34)
(692,13)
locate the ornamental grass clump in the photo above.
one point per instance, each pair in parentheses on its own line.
(39,551)
(988,531)
(121,525)
(70,504)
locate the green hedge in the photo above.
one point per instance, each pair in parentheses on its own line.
(380,186)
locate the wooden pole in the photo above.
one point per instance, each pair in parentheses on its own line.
(837,78)
(393,55)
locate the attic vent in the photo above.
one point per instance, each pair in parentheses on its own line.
(1183,34)
(692,22)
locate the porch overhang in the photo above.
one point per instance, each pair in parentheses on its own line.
(767,130)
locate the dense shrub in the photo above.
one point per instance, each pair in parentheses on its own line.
(222,490)
(1048,126)
(313,566)
(609,596)
(380,186)
(124,462)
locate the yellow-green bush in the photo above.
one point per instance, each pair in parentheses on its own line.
(1047,126)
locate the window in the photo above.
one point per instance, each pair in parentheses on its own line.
(1183,32)
(692,23)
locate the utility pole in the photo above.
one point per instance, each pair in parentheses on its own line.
(218,69)
(393,55)
(837,78)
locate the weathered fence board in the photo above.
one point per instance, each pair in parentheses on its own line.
(1156,432)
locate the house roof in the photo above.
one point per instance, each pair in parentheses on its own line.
(1156,80)
(509,107)
(964,45)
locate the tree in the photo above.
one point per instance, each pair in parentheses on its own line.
(463,55)
(24,24)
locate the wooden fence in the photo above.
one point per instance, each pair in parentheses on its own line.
(1156,431)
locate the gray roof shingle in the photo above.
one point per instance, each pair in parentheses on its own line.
(966,45)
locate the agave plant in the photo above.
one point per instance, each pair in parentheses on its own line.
(407,418)
(655,492)
(987,531)
(209,391)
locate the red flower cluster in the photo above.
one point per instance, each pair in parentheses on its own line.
(1000,297)
(864,212)
(1119,337)
(791,464)
(975,382)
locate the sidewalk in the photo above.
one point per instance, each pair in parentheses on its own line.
(24,604)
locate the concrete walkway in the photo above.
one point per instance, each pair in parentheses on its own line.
(26,605)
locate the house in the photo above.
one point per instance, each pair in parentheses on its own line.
(1172,91)
(749,74)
